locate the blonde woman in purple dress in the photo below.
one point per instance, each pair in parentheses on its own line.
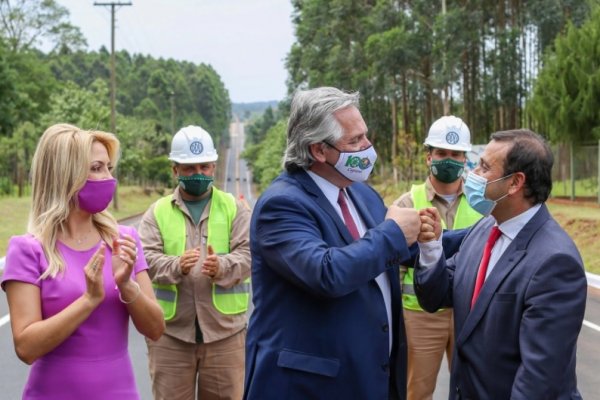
(74,280)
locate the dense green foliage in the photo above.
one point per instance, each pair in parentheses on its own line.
(258,127)
(413,61)
(154,98)
(566,97)
(265,158)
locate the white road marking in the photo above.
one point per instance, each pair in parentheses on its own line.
(591,325)
(4,320)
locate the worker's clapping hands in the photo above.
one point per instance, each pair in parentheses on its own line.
(210,266)
(431,225)
(189,259)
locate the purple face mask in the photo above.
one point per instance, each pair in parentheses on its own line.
(95,196)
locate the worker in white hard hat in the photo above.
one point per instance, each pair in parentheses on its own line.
(196,243)
(429,336)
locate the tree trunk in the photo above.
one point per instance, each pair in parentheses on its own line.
(394,109)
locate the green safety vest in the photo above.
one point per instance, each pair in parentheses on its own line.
(465,217)
(171,223)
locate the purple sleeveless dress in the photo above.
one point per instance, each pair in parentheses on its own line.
(93,363)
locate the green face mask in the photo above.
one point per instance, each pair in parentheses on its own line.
(447,170)
(196,185)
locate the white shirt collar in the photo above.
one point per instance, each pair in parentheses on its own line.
(513,226)
(330,191)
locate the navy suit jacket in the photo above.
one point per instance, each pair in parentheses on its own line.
(519,340)
(319,329)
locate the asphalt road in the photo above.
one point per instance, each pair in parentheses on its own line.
(13,373)
(238,180)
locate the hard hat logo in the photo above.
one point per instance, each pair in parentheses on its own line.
(452,137)
(196,147)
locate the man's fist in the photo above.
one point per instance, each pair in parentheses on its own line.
(408,220)
(431,225)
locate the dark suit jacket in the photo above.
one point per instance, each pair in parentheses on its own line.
(519,340)
(319,329)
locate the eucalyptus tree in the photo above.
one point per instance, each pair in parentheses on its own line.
(566,97)
(16,151)
(25,23)
(86,108)
(391,58)
(330,51)
(257,128)
(10,97)
(28,85)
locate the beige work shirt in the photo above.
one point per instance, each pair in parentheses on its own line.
(195,289)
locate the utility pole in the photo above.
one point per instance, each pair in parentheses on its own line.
(446,100)
(172,112)
(113,78)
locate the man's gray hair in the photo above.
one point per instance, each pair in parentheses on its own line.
(312,121)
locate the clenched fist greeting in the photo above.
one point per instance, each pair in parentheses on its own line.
(408,220)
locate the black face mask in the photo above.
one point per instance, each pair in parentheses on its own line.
(196,185)
(447,170)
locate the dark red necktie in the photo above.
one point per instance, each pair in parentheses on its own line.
(347,216)
(485,260)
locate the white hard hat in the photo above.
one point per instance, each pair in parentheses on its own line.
(449,133)
(192,145)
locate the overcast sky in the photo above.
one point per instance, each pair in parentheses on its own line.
(246,41)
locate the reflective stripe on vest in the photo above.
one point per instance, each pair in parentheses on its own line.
(171,223)
(465,217)
(243,287)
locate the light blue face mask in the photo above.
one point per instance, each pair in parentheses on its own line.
(475,186)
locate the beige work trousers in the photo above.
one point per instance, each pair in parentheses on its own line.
(428,336)
(214,370)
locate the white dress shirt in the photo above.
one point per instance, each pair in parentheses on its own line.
(331,192)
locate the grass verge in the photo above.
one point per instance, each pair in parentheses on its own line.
(14,211)
(580,220)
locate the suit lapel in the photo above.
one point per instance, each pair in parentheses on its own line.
(471,253)
(509,260)
(503,267)
(361,207)
(311,188)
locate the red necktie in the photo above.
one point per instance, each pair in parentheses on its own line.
(485,260)
(347,216)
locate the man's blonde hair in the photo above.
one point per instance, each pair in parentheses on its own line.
(59,170)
